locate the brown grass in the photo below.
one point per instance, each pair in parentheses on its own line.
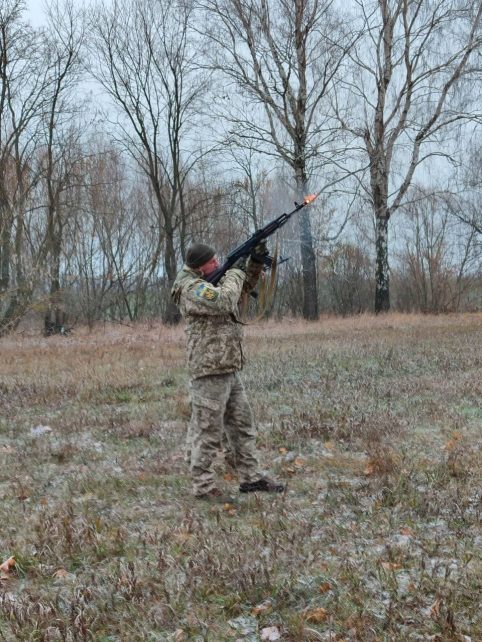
(374,422)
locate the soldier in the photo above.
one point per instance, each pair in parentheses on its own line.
(215,355)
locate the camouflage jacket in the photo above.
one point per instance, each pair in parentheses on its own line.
(214,332)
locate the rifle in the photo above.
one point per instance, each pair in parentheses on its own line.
(248,246)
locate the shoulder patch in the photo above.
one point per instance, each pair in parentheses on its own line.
(205,291)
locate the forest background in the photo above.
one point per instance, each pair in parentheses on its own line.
(130,129)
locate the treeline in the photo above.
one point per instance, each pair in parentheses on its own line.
(135,127)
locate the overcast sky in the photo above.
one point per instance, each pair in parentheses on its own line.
(35,12)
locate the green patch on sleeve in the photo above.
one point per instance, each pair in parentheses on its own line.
(205,291)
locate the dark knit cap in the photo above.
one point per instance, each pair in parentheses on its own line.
(198,254)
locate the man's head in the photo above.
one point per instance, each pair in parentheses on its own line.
(202,258)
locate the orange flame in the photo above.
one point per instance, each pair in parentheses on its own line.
(310,198)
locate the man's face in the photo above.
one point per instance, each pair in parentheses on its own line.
(211,266)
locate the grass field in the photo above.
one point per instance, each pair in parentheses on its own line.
(375,424)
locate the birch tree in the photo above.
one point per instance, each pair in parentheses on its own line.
(407,85)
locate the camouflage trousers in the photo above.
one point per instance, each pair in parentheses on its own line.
(220,412)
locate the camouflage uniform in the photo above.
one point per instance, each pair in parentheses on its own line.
(215,355)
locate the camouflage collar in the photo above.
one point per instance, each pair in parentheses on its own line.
(189,270)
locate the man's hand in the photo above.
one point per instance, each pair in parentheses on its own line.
(240,264)
(259,252)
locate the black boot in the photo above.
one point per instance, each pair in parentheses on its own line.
(262,485)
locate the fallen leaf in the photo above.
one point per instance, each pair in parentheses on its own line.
(261,609)
(329,445)
(406,530)
(435,608)
(316,615)
(270,633)
(325,587)
(229,508)
(228,477)
(391,566)
(299,463)
(61,573)
(6,567)
(452,443)
(369,470)
(282,451)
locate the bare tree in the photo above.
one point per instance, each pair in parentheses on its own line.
(407,83)
(108,236)
(24,81)
(463,200)
(279,56)
(246,193)
(61,149)
(438,259)
(347,271)
(144,58)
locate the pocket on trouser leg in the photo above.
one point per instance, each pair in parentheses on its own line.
(206,429)
(243,437)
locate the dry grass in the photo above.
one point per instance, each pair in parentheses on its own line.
(374,422)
